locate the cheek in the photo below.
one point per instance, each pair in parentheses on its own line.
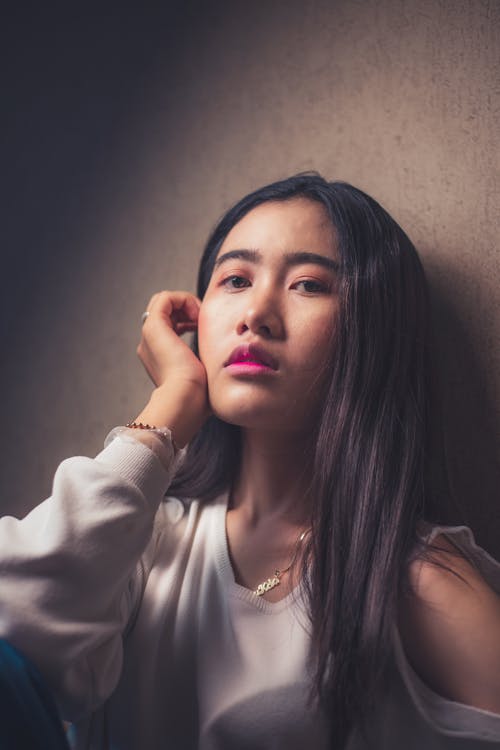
(315,340)
(313,366)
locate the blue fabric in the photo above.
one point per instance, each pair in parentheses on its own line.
(28,715)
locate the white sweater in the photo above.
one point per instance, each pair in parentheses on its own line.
(129,607)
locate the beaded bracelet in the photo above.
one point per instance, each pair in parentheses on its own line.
(162,431)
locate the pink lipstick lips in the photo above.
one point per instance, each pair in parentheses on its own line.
(251,358)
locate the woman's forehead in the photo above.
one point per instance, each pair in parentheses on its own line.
(297,224)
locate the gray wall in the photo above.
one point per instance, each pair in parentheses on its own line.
(129,135)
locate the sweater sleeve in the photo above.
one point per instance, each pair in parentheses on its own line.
(68,570)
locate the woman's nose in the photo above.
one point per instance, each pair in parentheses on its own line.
(262,315)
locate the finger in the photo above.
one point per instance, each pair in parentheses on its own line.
(177,306)
(159,306)
(147,311)
(181,328)
(151,302)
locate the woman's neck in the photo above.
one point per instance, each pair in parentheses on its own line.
(274,478)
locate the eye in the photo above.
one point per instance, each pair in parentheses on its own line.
(235,282)
(311,286)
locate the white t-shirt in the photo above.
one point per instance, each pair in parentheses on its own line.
(127,603)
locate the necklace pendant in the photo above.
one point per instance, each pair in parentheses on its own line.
(265,586)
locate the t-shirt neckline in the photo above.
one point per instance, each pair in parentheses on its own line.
(225,569)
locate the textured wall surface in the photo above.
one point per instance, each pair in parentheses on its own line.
(128,136)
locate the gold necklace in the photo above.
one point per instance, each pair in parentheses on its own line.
(275,580)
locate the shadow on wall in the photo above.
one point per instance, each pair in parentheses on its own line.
(469,472)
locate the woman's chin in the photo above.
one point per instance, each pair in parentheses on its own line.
(258,417)
(245,419)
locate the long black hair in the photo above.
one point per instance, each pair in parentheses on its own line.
(370,471)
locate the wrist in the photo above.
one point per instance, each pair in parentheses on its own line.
(180,409)
(164,433)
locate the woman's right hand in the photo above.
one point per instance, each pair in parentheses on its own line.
(180,400)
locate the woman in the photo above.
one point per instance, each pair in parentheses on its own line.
(278,595)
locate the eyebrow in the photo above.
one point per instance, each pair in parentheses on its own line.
(291,259)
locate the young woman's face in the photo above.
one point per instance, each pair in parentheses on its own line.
(266,320)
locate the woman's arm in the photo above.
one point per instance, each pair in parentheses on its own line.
(67,583)
(450,631)
(67,570)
